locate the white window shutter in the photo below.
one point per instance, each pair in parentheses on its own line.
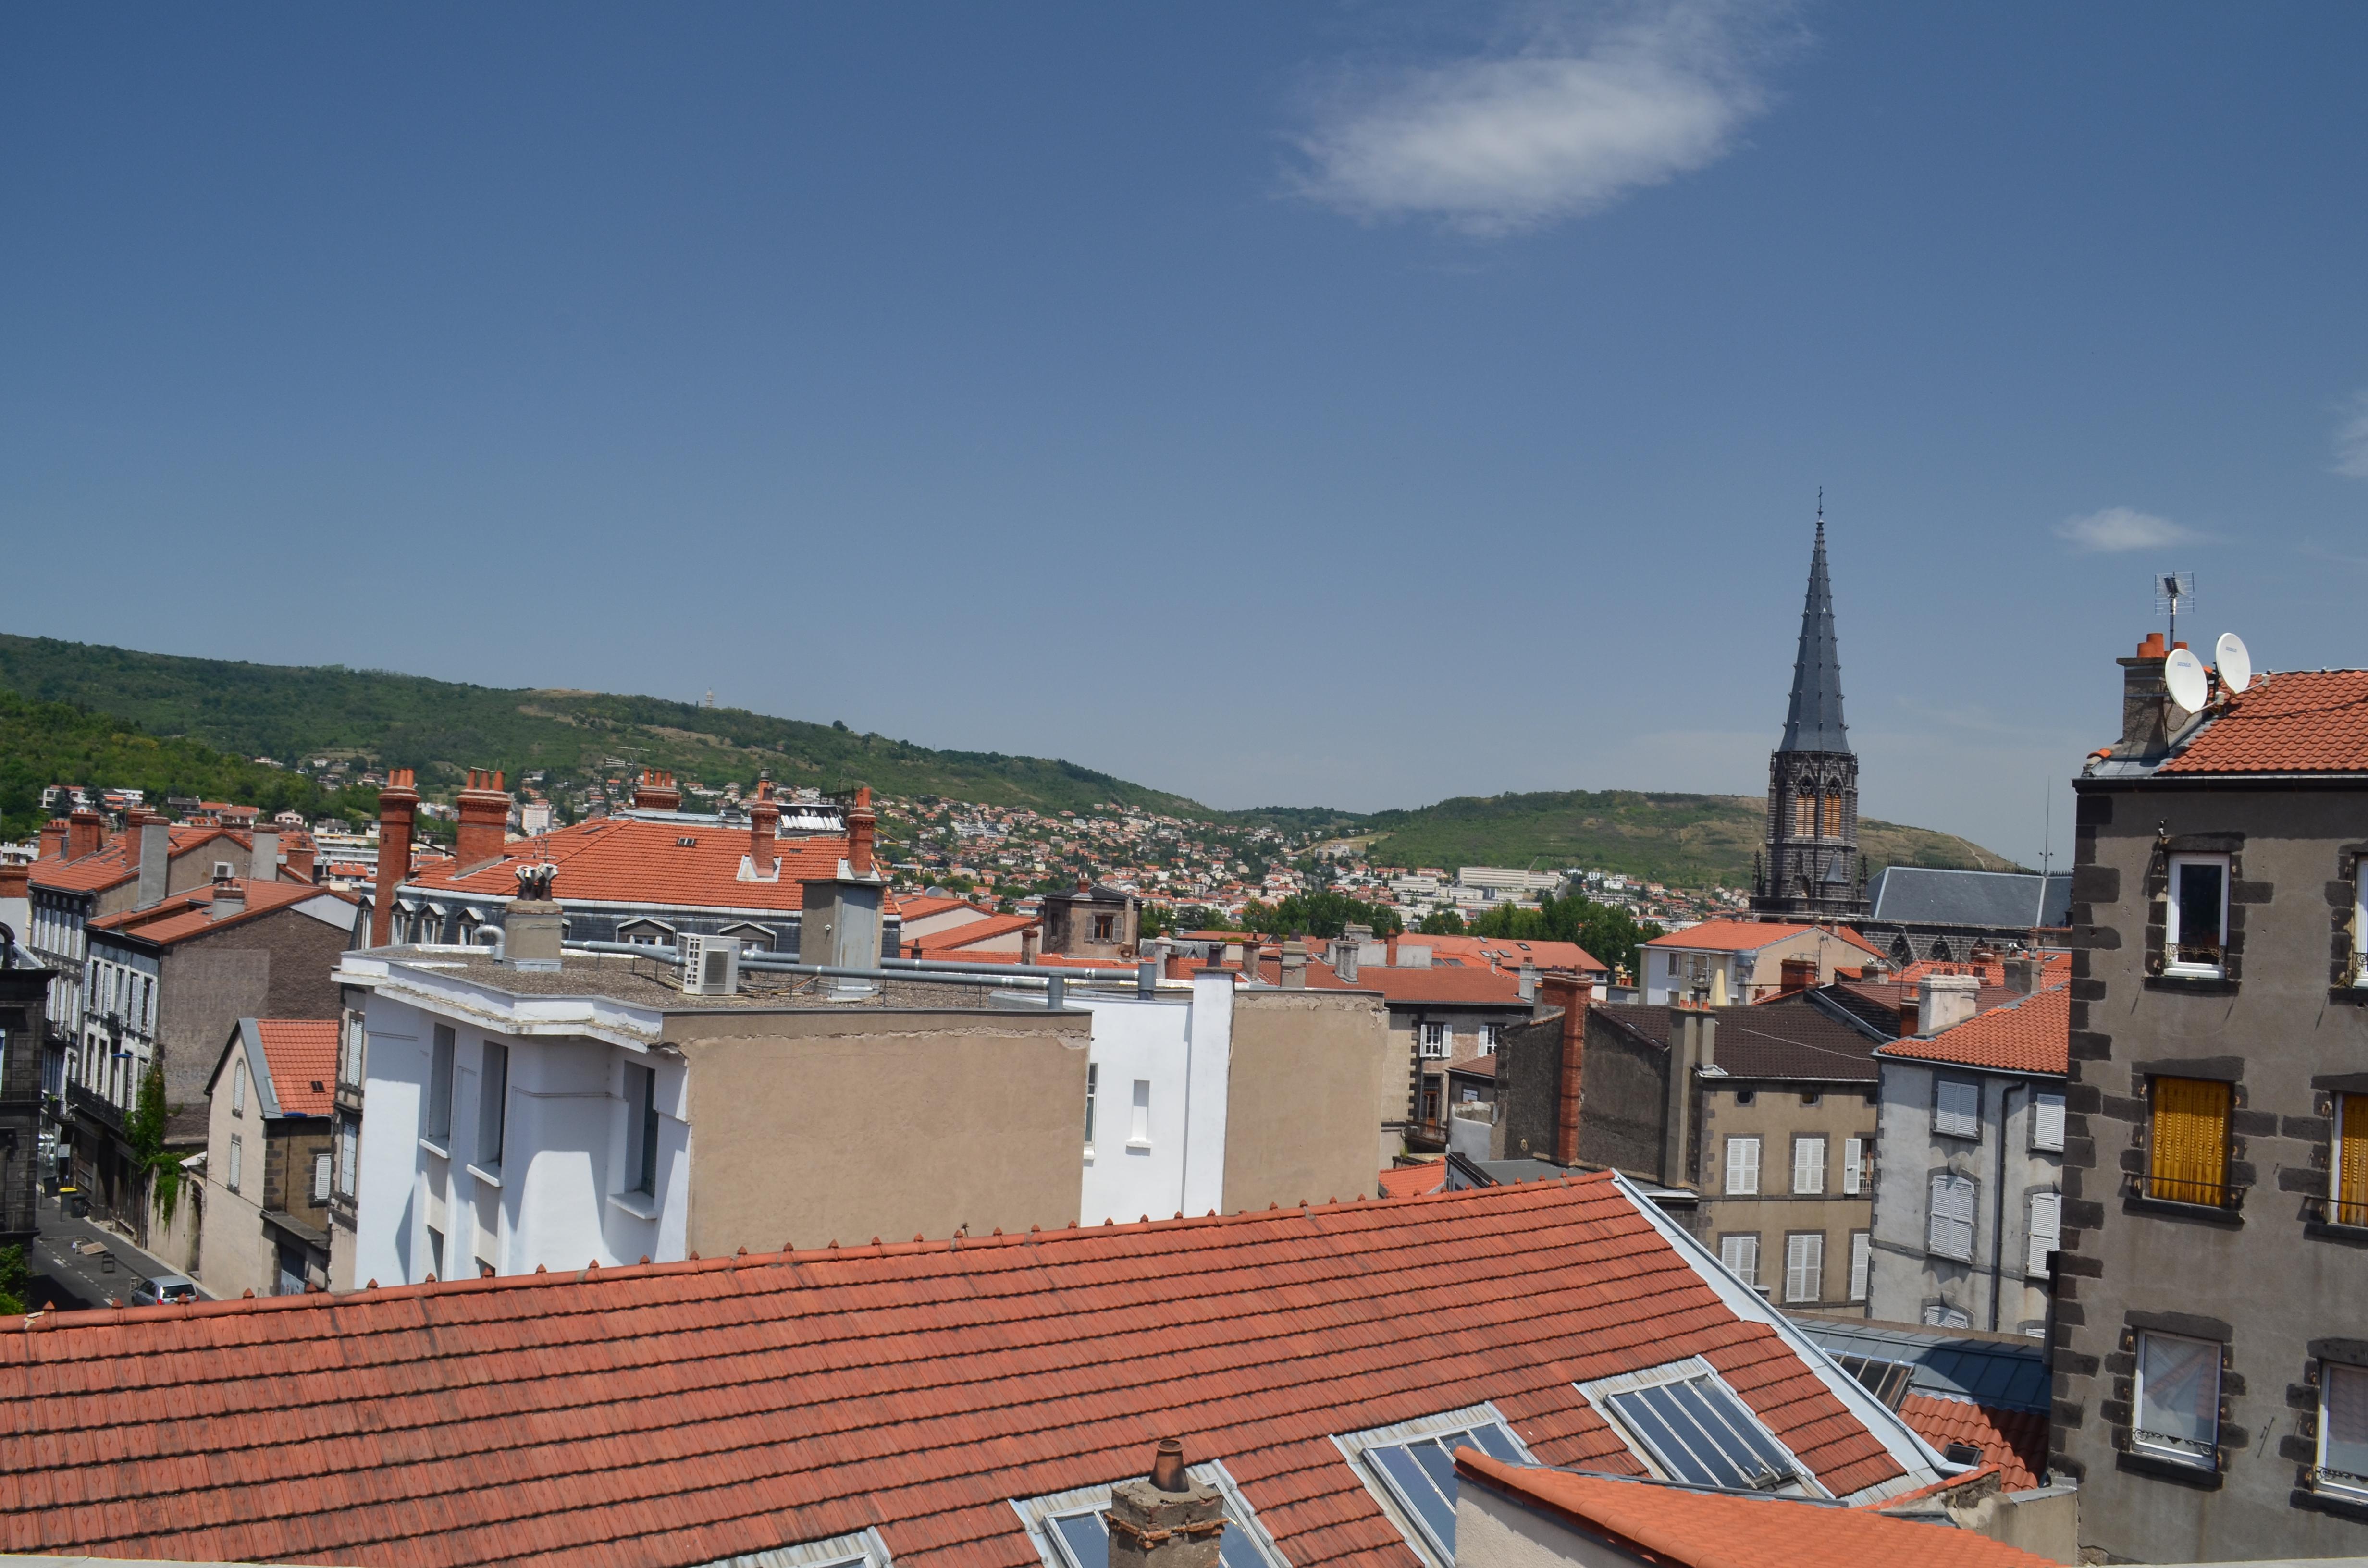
(1808,1164)
(2047,1121)
(1958,1111)
(1949,1230)
(1862,1263)
(1741,1255)
(1742,1167)
(2046,1228)
(1854,1156)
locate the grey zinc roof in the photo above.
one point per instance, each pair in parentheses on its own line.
(1814,722)
(1987,1368)
(1919,895)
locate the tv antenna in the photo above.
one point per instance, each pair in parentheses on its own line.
(2173,592)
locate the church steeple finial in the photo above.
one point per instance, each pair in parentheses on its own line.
(1813,722)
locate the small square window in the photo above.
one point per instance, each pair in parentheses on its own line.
(2177,1400)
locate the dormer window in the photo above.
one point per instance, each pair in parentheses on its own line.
(1411,1468)
(1690,1427)
(2196,924)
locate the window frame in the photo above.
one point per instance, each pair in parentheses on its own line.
(864,1548)
(493,1106)
(1735,1142)
(1798,1241)
(1425,1048)
(2161,1450)
(2035,1256)
(2350,1212)
(1801,1143)
(1932,1213)
(238,1086)
(1039,1513)
(323,1176)
(1093,1086)
(2041,1101)
(1861,1265)
(1357,1448)
(436,1121)
(2353,1487)
(2155,1183)
(1750,1279)
(2172,963)
(642,1121)
(1941,1084)
(236,1166)
(1600,1393)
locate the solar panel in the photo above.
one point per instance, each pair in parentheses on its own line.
(1700,1433)
(1420,1472)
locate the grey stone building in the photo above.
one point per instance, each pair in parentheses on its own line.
(2210,1293)
(1810,869)
(1919,913)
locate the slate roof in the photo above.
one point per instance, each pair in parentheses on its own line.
(1787,1036)
(2029,1035)
(2298,722)
(1919,895)
(1813,721)
(685,1413)
(637,860)
(1681,1528)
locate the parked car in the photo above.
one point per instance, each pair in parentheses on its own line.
(168,1287)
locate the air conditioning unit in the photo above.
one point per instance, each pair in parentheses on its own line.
(711,965)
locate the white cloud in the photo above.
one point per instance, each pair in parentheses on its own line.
(1589,108)
(2351,439)
(2123,527)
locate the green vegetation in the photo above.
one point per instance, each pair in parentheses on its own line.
(16,1280)
(1320,915)
(1443,923)
(1684,840)
(144,1128)
(1612,935)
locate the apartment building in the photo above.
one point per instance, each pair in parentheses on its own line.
(2211,1343)
(1722,961)
(263,1191)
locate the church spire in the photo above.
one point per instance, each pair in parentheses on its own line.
(1815,719)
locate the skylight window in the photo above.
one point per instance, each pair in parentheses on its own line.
(1411,1467)
(1069,1531)
(862,1550)
(1691,1427)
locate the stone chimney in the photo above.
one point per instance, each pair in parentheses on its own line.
(1344,957)
(1948,1000)
(1796,974)
(764,829)
(263,855)
(862,829)
(1031,943)
(1294,965)
(1570,993)
(2149,716)
(656,792)
(1166,1519)
(484,821)
(2023,975)
(152,845)
(229,899)
(398,809)
(1528,989)
(1693,1046)
(532,924)
(82,833)
(53,839)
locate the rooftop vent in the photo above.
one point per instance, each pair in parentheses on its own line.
(710,964)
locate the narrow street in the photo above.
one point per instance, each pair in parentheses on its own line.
(69,1279)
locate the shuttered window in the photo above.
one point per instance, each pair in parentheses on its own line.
(1805,1267)
(1833,816)
(1862,1263)
(2045,1229)
(1741,1255)
(1957,1109)
(1808,1164)
(1853,1161)
(1743,1167)
(1950,1226)
(2189,1160)
(2351,1160)
(2047,1121)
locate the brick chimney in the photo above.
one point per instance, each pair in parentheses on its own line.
(764,830)
(656,792)
(484,821)
(16,898)
(863,824)
(152,851)
(398,810)
(1031,943)
(1165,1519)
(2145,700)
(1796,974)
(299,857)
(1571,993)
(53,839)
(84,832)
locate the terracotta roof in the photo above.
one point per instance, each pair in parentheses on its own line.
(303,1056)
(111,865)
(1413,1181)
(1786,1037)
(191,914)
(919,906)
(2033,1035)
(629,860)
(1990,972)
(676,1414)
(2300,722)
(1511,952)
(1686,1529)
(969,934)
(1750,936)
(1411,986)
(2014,1440)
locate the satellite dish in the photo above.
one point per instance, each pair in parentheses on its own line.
(2184,671)
(2235,664)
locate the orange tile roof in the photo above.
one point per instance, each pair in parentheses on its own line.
(1413,1181)
(2031,1035)
(191,914)
(1749,935)
(1477,986)
(1990,972)
(1509,951)
(651,1417)
(629,861)
(2014,1440)
(2300,722)
(303,1056)
(110,865)
(1682,1528)
(953,938)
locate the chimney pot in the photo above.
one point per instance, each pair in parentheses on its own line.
(1168,1465)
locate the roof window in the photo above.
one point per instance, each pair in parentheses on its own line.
(1411,1469)
(862,1550)
(1068,1530)
(1690,1427)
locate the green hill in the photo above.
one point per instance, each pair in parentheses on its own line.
(111,716)
(1684,840)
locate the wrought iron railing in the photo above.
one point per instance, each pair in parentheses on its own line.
(2226,1195)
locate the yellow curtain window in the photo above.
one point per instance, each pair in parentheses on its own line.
(2191,1140)
(1804,816)
(1833,816)
(2352,1161)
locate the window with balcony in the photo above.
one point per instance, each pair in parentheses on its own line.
(2196,923)
(2177,1403)
(2349,1177)
(2186,1137)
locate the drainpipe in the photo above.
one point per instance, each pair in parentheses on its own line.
(1998,1215)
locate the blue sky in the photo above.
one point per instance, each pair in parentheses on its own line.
(1356,404)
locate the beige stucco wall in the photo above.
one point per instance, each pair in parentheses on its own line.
(1308,1068)
(842,1126)
(234,1255)
(1775,1116)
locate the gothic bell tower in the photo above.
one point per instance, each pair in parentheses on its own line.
(1809,869)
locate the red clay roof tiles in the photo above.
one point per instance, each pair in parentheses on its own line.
(2299,721)
(2014,1440)
(683,1413)
(301,1053)
(2033,1035)
(627,859)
